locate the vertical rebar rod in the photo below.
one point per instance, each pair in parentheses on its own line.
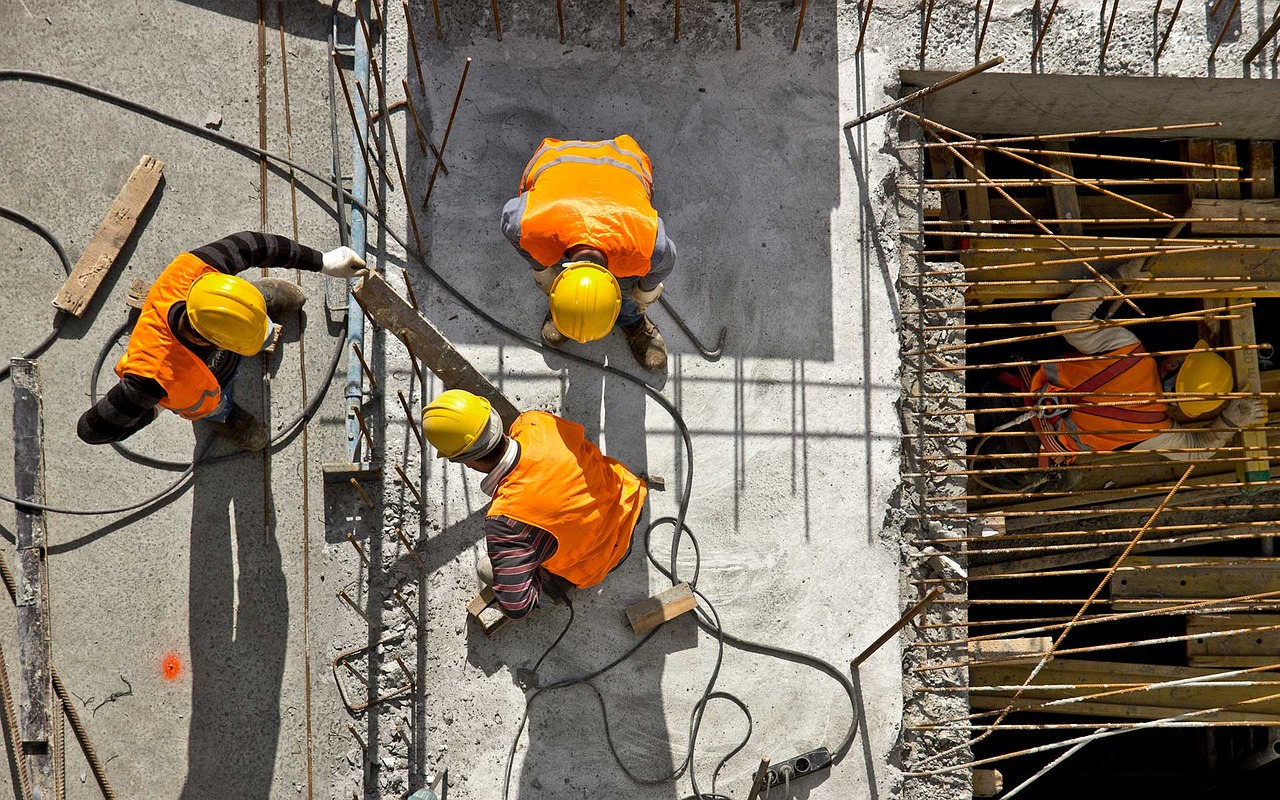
(413,47)
(423,141)
(560,17)
(1111,22)
(927,8)
(408,413)
(804,5)
(466,67)
(413,552)
(1164,40)
(497,20)
(677,36)
(1035,51)
(737,24)
(1226,26)
(1266,37)
(862,26)
(982,30)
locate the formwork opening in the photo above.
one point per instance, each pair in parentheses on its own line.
(1105,556)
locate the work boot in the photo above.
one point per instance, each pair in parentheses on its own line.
(283,297)
(647,344)
(551,335)
(243,430)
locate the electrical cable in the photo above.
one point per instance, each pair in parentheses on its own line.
(60,317)
(710,623)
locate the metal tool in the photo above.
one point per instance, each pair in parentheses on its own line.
(707,353)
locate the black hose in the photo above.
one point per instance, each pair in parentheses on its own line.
(59,317)
(710,623)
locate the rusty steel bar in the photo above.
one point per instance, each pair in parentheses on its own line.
(928,90)
(902,622)
(457,98)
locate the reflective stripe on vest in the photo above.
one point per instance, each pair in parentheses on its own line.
(1095,424)
(564,484)
(155,352)
(597,194)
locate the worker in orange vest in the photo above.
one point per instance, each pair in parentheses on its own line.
(197,323)
(1126,399)
(584,220)
(562,512)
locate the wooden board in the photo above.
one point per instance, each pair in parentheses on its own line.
(1247,217)
(1029,649)
(666,605)
(977,199)
(1179,579)
(987,782)
(944,168)
(426,342)
(483,608)
(1224,152)
(1098,206)
(1259,646)
(1150,704)
(1262,169)
(110,238)
(1257,469)
(1066,200)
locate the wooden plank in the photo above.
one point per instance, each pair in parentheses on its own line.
(1200,151)
(426,342)
(35,714)
(1246,217)
(1171,579)
(666,605)
(1066,201)
(1224,152)
(483,608)
(977,199)
(137,296)
(944,168)
(1098,206)
(110,238)
(1150,704)
(1262,169)
(1259,647)
(1009,651)
(1257,469)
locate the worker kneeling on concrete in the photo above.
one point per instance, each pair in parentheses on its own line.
(584,219)
(1117,402)
(198,322)
(562,512)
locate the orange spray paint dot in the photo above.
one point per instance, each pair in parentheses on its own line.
(170,666)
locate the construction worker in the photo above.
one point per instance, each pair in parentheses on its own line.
(1117,402)
(584,219)
(562,512)
(197,324)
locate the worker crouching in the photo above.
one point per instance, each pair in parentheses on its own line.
(198,322)
(1110,395)
(585,222)
(562,512)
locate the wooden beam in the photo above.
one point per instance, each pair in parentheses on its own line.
(1243,217)
(977,199)
(1029,649)
(1149,581)
(987,782)
(1262,168)
(425,341)
(1066,201)
(944,168)
(1257,469)
(1201,151)
(666,605)
(1260,647)
(1150,704)
(1224,152)
(110,238)
(1096,206)
(36,712)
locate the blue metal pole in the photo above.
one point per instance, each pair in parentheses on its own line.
(354,391)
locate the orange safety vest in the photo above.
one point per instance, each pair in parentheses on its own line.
(590,193)
(564,484)
(1096,423)
(155,352)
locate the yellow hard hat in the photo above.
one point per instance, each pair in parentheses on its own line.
(458,423)
(1203,372)
(585,301)
(228,311)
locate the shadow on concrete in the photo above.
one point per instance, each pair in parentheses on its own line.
(309,18)
(239,612)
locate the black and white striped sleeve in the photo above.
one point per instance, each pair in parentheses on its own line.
(129,407)
(240,251)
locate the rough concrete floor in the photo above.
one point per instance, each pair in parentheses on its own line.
(786,233)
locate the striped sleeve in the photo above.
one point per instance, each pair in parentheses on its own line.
(126,409)
(240,251)
(517,550)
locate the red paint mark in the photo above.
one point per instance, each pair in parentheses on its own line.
(170,666)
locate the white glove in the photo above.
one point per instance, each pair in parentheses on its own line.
(544,278)
(342,263)
(1132,271)
(1244,412)
(645,299)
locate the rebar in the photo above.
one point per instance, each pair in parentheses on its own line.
(16,751)
(928,90)
(1226,26)
(497,19)
(408,545)
(804,6)
(413,48)
(423,141)
(363,145)
(355,484)
(1111,23)
(444,143)
(408,413)
(407,482)
(1164,40)
(862,25)
(1266,37)
(1044,29)
(902,622)
(364,365)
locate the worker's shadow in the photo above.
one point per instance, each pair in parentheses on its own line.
(239,613)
